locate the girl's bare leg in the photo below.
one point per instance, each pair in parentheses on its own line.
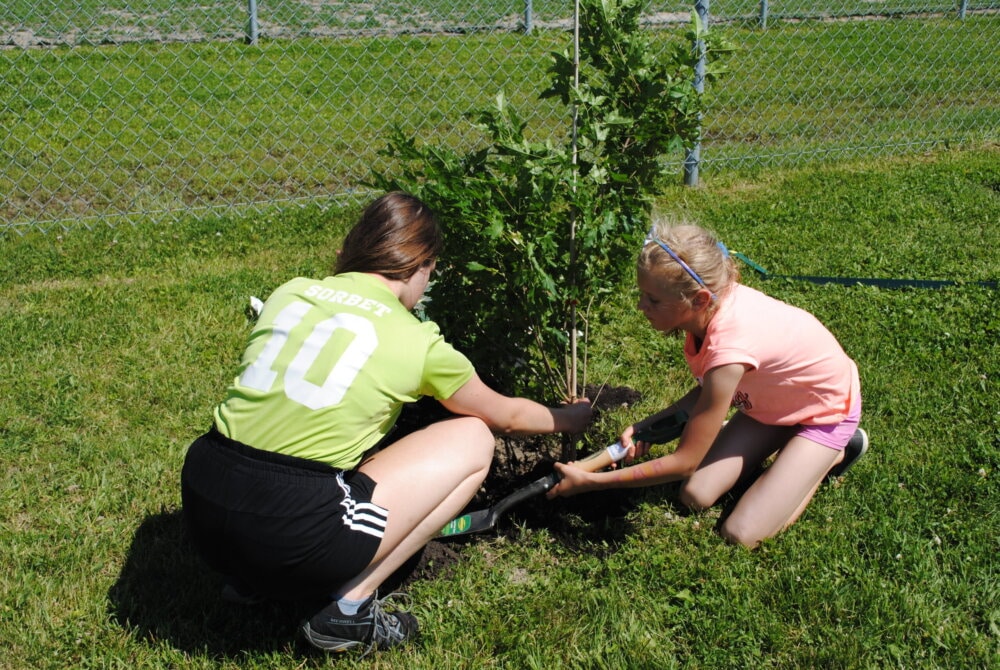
(736,455)
(781,493)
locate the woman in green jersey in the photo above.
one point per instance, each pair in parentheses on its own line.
(298,490)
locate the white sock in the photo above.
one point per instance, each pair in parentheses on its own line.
(348,606)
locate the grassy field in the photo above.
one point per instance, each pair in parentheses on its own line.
(115,133)
(116,343)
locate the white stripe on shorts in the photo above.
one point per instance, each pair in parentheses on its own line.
(363,517)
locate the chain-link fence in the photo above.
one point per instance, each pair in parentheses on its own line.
(121,111)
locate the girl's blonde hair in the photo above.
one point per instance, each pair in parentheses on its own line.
(699,250)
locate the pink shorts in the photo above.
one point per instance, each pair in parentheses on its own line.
(836,435)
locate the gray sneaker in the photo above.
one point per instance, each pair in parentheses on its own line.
(331,630)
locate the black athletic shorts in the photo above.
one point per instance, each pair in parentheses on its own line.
(288,528)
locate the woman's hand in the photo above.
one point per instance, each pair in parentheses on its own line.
(574,417)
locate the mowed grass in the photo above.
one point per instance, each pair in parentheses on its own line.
(117,133)
(116,343)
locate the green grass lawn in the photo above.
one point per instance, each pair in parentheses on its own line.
(116,343)
(117,133)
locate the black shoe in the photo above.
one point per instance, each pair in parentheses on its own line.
(332,630)
(855,449)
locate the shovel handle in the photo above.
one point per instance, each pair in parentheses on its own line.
(664,430)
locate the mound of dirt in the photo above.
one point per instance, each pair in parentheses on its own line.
(518,462)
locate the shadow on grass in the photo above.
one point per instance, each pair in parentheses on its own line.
(166,594)
(596,523)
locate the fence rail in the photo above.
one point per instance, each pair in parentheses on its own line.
(120,111)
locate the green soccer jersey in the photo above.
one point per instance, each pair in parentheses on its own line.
(329,366)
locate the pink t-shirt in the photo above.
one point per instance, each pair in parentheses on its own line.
(797,372)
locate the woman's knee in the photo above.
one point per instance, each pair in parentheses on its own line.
(476,440)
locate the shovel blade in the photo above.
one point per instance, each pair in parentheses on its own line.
(473,522)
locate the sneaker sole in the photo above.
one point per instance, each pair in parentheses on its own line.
(326,642)
(840,469)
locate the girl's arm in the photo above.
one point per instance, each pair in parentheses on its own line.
(685,404)
(711,405)
(510,415)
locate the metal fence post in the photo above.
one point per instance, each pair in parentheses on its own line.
(528,16)
(962,9)
(693,157)
(253,26)
(763,14)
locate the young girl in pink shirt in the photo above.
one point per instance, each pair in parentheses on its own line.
(796,393)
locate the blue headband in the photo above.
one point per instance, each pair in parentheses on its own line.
(651,237)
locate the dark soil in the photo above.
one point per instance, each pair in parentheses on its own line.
(595,521)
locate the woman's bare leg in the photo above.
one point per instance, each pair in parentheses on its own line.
(424,480)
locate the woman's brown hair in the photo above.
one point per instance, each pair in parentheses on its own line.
(394,237)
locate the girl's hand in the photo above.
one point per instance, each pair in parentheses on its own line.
(574,480)
(514,415)
(636,449)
